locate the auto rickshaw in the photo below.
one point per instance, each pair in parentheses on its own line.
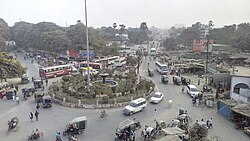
(164,79)
(150,73)
(39,97)
(38,84)
(177,80)
(123,126)
(76,126)
(25,79)
(27,92)
(10,94)
(47,101)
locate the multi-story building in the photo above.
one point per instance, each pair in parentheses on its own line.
(203,28)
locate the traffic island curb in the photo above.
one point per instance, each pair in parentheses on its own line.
(94,106)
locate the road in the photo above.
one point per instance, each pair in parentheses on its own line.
(55,118)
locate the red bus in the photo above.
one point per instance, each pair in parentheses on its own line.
(54,71)
(96,66)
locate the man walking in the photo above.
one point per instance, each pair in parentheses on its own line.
(31,116)
(132,137)
(155,114)
(36,115)
(210,123)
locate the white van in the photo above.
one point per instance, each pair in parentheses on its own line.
(192,90)
(135,106)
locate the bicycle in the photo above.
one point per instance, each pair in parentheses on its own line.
(103,114)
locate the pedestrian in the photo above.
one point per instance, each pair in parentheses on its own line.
(199,81)
(193,101)
(16,87)
(210,122)
(125,137)
(155,114)
(15,92)
(31,116)
(132,135)
(197,101)
(36,115)
(37,106)
(17,99)
(144,133)
(46,81)
(182,89)
(202,122)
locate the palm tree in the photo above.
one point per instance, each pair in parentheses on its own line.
(114,25)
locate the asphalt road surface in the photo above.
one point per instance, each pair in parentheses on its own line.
(55,118)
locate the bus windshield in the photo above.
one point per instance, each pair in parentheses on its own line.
(164,68)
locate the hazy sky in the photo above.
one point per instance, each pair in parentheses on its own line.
(160,13)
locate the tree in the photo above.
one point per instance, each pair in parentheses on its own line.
(198,132)
(4,33)
(122,28)
(187,36)
(56,40)
(144,31)
(169,43)
(114,25)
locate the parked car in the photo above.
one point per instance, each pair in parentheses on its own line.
(192,90)
(135,106)
(157,97)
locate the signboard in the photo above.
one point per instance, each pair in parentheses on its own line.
(201,45)
(79,54)
(83,54)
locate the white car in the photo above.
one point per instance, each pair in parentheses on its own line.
(157,97)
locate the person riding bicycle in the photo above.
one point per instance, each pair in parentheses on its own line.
(35,135)
(103,113)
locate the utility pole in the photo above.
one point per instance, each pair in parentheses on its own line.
(210,24)
(87,41)
(207,59)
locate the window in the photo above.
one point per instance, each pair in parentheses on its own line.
(236,90)
(239,86)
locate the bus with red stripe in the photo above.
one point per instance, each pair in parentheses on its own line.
(54,71)
(96,66)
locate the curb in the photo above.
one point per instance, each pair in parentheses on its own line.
(94,106)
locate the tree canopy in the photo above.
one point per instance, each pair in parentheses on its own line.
(51,37)
(4,33)
(237,36)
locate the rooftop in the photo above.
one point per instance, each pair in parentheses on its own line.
(241,71)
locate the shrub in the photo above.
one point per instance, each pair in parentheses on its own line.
(105,100)
(66,78)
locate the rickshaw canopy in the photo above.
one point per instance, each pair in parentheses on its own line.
(124,124)
(78,119)
(80,122)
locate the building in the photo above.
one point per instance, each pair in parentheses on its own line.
(240,85)
(203,28)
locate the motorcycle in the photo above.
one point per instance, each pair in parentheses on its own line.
(13,123)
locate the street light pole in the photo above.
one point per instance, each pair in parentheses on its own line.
(207,59)
(87,41)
